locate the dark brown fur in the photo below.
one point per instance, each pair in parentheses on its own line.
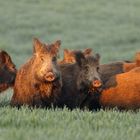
(108,70)
(7,71)
(77,79)
(38,82)
(111,69)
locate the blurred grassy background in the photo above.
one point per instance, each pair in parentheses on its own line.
(111,28)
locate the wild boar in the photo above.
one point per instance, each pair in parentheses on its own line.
(69,56)
(39,80)
(111,69)
(122,91)
(7,71)
(78,80)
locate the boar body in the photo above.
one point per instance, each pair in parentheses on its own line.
(38,82)
(122,91)
(77,80)
(111,69)
(7,71)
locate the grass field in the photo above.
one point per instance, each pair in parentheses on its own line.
(111,28)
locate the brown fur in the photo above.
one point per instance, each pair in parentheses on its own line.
(7,71)
(129,66)
(69,56)
(32,87)
(124,93)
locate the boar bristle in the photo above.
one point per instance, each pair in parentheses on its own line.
(87,52)
(7,71)
(79,56)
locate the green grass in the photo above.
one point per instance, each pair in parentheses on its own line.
(110,27)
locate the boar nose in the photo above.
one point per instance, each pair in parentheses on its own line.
(96,83)
(50,76)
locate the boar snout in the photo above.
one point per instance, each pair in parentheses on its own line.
(50,76)
(96,85)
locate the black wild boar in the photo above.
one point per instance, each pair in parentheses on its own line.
(78,80)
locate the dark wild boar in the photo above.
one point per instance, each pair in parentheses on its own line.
(38,82)
(111,69)
(69,56)
(108,70)
(122,91)
(7,71)
(78,80)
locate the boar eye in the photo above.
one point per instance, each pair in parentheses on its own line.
(54,59)
(42,58)
(86,68)
(97,69)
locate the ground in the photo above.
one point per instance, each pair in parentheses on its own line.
(110,27)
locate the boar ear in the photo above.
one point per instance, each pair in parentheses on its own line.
(3,56)
(66,52)
(79,57)
(57,44)
(137,58)
(97,57)
(56,47)
(87,52)
(37,45)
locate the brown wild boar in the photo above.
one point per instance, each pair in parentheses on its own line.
(78,80)
(38,82)
(7,71)
(122,91)
(69,56)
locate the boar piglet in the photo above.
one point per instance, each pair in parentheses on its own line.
(39,80)
(7,71)
(79,79)
(69,56)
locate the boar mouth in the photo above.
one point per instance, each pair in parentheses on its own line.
(3,87)
(51,77)
(95,86)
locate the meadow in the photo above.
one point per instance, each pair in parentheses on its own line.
(111,28)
